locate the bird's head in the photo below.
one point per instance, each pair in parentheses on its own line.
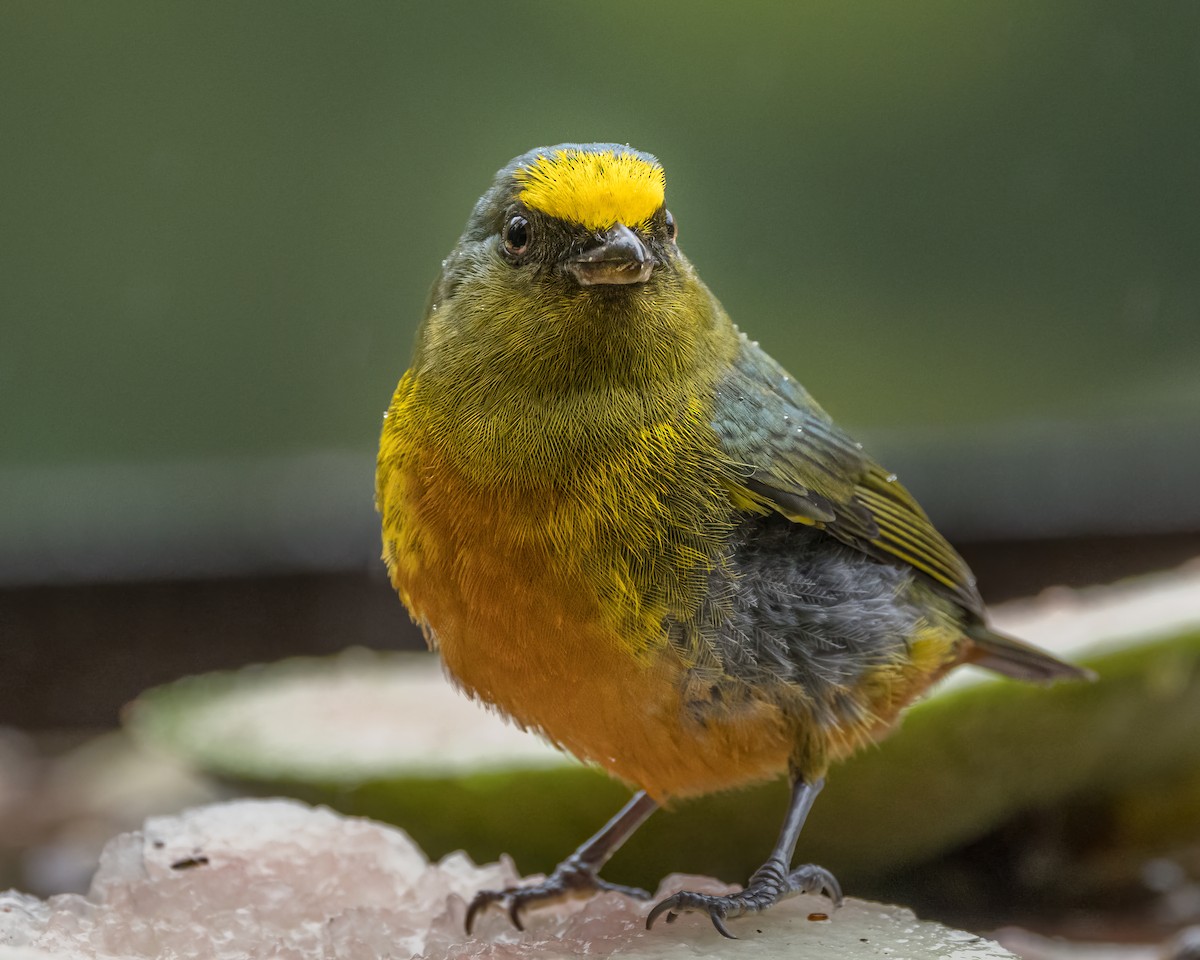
(569,264)
(576,216)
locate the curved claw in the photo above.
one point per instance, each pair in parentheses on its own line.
(813,879)
(663,906)
(485,898)
(718,921)
(481,901)
(514,913)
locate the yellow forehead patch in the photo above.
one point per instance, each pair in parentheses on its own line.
(594,190)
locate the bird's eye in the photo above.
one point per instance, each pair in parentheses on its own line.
(516,236)
(672,229)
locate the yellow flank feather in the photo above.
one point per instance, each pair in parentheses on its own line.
(594,190)
(881,694)
(570,573)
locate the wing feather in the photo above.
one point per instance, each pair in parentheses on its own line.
(799,463)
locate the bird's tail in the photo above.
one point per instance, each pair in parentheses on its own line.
(1018,659)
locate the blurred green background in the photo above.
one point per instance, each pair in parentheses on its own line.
(970,229)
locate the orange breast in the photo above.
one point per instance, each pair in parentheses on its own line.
(521,624)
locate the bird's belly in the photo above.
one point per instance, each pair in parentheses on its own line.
(571,680)
(522,623)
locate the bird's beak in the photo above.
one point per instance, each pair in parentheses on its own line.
(620,257)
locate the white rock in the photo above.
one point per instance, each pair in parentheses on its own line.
(281,880)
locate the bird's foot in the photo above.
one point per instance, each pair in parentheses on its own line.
(571,878)
(770,883)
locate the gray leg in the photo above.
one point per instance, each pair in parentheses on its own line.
(579,872)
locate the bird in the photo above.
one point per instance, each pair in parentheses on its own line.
(625,527)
